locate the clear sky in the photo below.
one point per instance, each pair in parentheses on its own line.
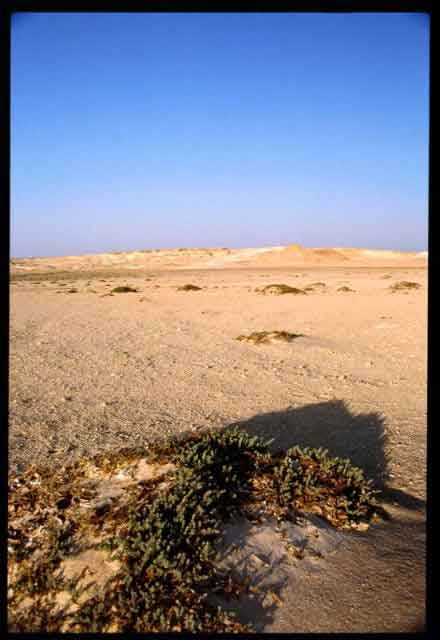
(137,131)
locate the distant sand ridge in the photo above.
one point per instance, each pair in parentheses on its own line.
(283,256)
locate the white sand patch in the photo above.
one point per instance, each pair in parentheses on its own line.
(267,554)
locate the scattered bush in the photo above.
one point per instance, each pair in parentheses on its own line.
(168,549)
(124,289)
(280,289)
(316,285)
(404,286)
(307,477)
(345,289)
(164,539)
(189,287)
(265,337)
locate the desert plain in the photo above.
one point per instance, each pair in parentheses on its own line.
(93,370)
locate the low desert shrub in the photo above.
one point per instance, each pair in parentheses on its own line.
(164,538)
(404,286)
(308,477)
(280,289)
(168,548)
(314,286)
(265,337)
(189,287)
(124,289)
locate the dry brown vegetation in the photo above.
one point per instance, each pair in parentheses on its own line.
(188,287)
(266,337)
(404,285)
(280,289)
(124,289)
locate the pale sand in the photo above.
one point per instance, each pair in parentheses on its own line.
(89,373)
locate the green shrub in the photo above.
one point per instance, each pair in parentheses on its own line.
(308,477)
(164,537)
(168,549)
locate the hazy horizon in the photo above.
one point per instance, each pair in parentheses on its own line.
(159,131)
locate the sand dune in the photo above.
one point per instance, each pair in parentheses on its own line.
(283,256)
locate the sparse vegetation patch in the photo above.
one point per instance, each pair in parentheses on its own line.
(124,289)
(266,337)
(320,286)
(404,286)
(331,487)
(160,531)
(279,289)
(346,289)
(189,287)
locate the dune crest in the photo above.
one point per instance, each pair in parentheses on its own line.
(290,255)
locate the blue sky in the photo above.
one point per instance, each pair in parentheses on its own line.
(137,131)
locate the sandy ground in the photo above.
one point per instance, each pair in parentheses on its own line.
(90,372)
